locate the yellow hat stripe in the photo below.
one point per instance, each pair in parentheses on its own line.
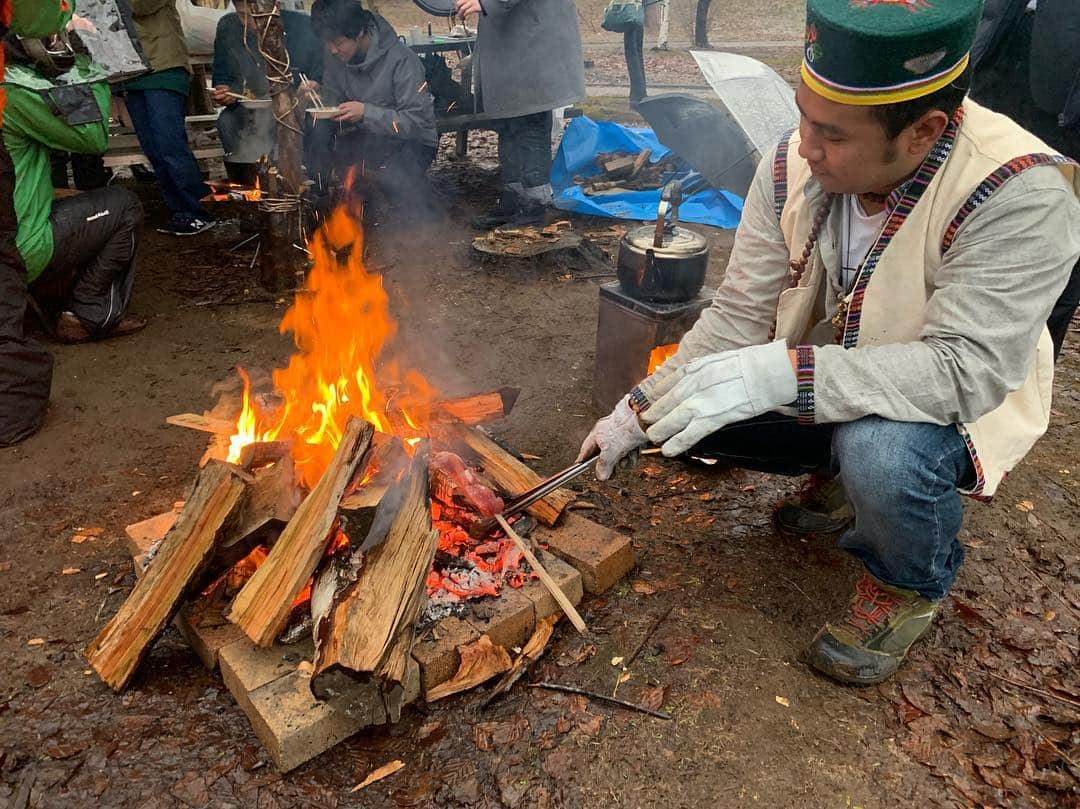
(881,95)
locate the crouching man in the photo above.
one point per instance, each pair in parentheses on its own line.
(882,319)
(79,250)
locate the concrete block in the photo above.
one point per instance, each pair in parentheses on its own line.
(508,620)
(601,555)
(436,651)
(566,577)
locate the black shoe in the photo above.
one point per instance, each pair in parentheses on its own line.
(821,507)
(503,212)
(186,225)
(527,215)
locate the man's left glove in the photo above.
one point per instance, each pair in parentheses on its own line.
(615,436)
(716,390)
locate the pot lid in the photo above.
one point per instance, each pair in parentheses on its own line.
(437,8)
(681,243)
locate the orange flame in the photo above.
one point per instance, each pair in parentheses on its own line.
(341,325)
(659,355)
(255,194)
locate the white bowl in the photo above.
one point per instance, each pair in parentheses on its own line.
(322,113)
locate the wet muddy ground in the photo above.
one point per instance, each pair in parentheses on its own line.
(986,712)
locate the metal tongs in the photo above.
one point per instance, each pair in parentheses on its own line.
(525,499)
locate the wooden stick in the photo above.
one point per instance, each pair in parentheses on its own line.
(1032,688)
(262,607)
(117,650)
(545,577)
(571,689)
(206,424)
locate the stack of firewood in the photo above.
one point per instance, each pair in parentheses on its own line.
(353,552)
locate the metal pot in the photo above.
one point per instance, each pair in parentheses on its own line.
(663,262)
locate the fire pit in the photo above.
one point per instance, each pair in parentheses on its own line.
(324,556)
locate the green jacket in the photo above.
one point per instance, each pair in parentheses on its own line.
(38,18)
(31,129)
(157,22)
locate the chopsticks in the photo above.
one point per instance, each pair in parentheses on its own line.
(314,93)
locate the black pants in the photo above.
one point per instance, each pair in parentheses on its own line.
(771,443)
(25,366)
(525,149)
(95,239)
(1003,83)
(391,173)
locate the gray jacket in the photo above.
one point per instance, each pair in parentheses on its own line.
(389,80)
(1008,264)
(530,56)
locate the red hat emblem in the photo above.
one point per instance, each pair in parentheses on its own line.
(910,5)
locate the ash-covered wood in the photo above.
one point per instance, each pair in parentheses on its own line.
(365,604)
(186,550)
(262,607)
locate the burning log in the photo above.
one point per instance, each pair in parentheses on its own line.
(262,608)
(479,408)
(274,496)
(505,471)
(365,605)
(117,650)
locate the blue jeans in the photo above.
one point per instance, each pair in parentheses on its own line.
(158,117)
(901,477)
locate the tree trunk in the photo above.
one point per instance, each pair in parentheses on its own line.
(280,262)
(701,24)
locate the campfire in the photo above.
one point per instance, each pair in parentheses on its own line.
(345,500)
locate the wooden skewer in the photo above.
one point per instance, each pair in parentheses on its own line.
(545,577)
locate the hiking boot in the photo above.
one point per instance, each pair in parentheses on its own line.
(821,507)
(869,642)
(529,213)
(182,224)
(503,212)
(129,324)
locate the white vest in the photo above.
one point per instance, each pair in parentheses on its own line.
(888,301)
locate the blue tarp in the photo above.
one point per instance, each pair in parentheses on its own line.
(585,138)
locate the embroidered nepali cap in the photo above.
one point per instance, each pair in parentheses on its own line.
(884,51)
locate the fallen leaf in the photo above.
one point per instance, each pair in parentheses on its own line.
(35,642)
(5,567)
(576,656)
(653,697)
(590,726)
(384,771)
(67,571)
(1025,505)
(490,736)
(90,532)
(1049,615)
(480,661)
(705,497)
(642,587)
(616,661)
(39,676)
(783,701)
(623,677)
(305,668)
(87,672)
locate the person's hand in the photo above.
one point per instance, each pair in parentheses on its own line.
(350,112)
(616,436)
(466,7)
(309,88)
(77,23)
(716,390)
(222,95)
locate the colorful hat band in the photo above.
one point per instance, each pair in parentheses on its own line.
(874,96)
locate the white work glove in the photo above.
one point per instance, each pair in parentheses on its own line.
(716,390)
(616,436)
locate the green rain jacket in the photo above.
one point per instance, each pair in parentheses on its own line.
(38,18)
(32,127)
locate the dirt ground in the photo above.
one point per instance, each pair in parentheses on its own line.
(985,713)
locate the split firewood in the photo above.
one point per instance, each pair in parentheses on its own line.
(480,408)
(206,424)
(273,498)
(117,650)
(504,470)
(480,661)
(365,605)
(532,651)
(262,608)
